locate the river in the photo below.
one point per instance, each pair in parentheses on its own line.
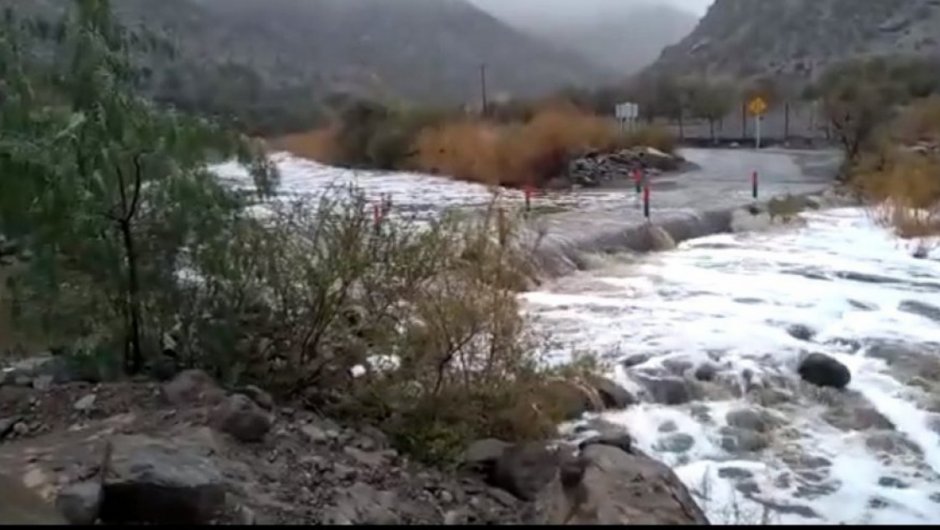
(729,316)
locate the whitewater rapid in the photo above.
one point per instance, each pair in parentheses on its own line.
(730,302)
(727,301)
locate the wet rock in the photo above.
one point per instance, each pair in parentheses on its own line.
(822,370)
(748,487)
(636,360)
(706,372)
(935,497)
(192,388)
(862,306)
(804,461)
(669,390)
(259,396)
(678,366)
(80,503)
(525,469)
(749,420)
(893,443)
(858,418)
(734,473)
(737,441)
(676,443)
(927,311)
(877,503)
(801,332)
(85,403)
(613,395)
(668,426)
(787,509)
(892,482)
(242,418)
(622,441)
(815,491)
(701,413)
(611,487)
(149,480)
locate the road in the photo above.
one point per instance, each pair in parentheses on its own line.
(720,182)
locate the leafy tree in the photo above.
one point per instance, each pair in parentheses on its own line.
(711,101)
(107,189)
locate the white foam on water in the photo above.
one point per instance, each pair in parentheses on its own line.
(731,298)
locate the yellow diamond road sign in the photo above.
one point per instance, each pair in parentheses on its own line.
(757,106)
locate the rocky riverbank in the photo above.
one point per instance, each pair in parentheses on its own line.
(188,451)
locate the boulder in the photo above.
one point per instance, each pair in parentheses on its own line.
(676,443)
(622,441)
(613,395)
(149,480)
(822,370)
(80,503)
(242,418)
(573,399)
(192,388)
(482,455)
(706,372)
(6,425)
(607,486)
(669,390)
(525,469)
(801,332)
(748,420)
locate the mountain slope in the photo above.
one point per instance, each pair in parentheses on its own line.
(746,38)
(620,36)
(264,50)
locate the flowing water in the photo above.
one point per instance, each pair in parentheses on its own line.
(727,318)
(727,302)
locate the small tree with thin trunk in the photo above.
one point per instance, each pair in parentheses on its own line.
(105,188)
(711,101)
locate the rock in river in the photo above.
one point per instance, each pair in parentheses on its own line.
(822,370)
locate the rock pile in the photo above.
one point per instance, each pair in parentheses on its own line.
(595,169)
(188,451)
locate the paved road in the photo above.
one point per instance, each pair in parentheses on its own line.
(722,180)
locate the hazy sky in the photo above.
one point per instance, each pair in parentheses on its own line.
(697,6)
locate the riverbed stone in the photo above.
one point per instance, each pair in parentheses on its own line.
(922,309)
(676,443)
(801,332)
(822,370)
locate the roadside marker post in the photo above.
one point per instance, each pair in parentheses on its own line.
(754,184)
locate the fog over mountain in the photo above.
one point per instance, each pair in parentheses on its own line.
(619,35)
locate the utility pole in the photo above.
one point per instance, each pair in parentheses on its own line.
(483,88)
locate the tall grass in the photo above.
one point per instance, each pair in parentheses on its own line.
(902,185)
(531,150)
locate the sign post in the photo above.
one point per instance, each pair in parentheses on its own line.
(757,107)
(627,113)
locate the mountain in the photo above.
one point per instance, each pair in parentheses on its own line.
(618,35)
(271,51)
(800,38)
